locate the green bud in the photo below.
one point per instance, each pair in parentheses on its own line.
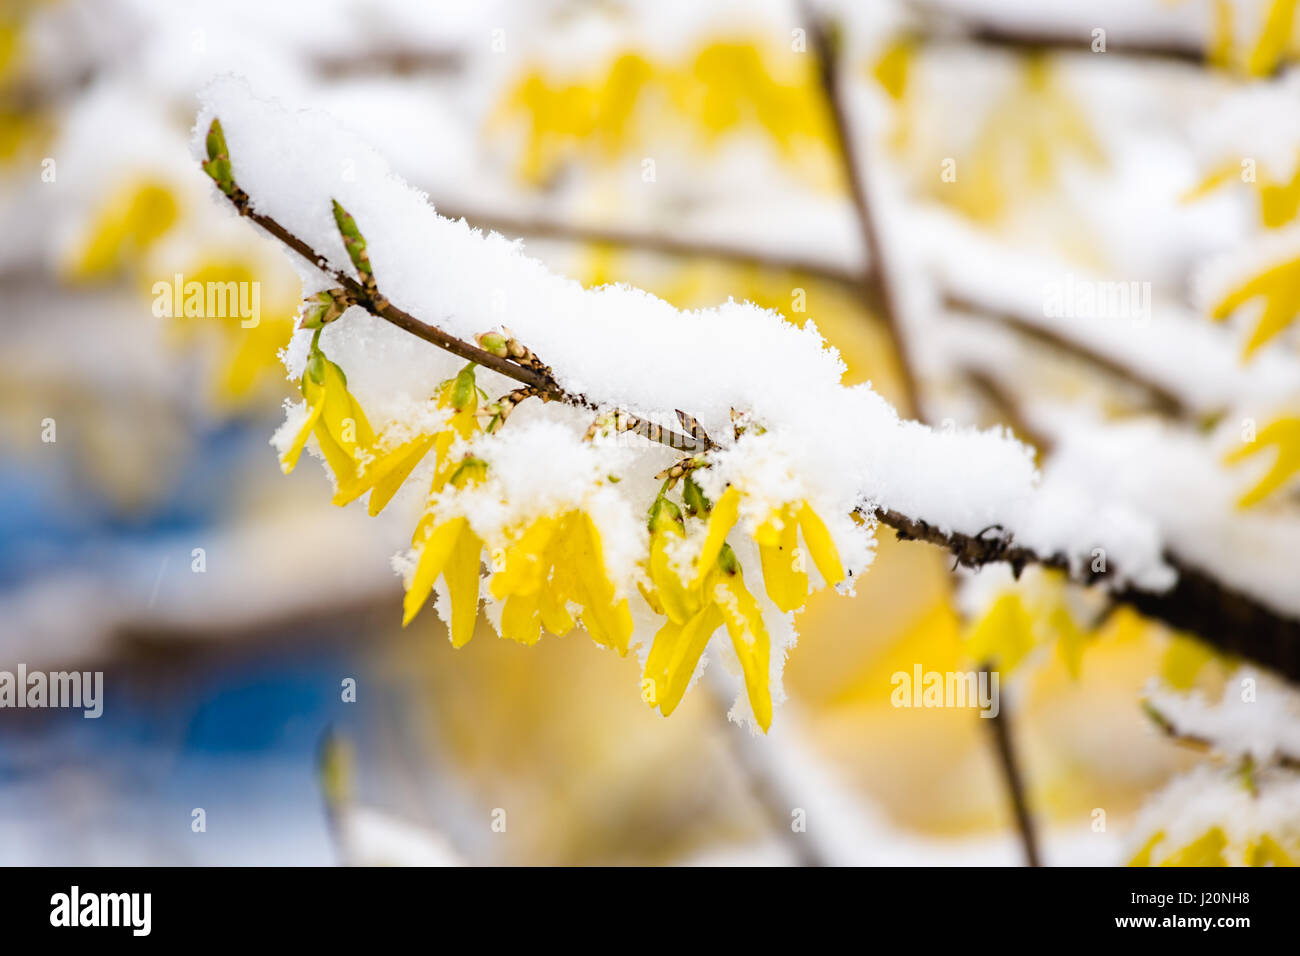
(316,367)
(464,393)
(697,503)
(663,512)
(216,142)
(470,467)
(495,343)
(353,241)
(727,559)
(218,163)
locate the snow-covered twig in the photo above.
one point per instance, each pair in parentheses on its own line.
(1227,619)
(538,379)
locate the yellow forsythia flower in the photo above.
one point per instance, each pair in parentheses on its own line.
(784,576)
(727,85)
(1279,200)
(555,561)
(1273,40)
(1280,289)
(391,466)
(129,222)
(1004,635)
(250,356)
(450,550)
(695,612)
(335,418)
(1284,434)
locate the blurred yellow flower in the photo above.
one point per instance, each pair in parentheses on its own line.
(131,220)
(1279,286)
(727,85)
(1284,435)
(1004,635)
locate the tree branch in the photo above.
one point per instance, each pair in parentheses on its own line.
(1004,33)
(1000,725)
(875,279)
(1224,618)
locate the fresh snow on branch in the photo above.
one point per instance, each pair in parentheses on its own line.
(624,348)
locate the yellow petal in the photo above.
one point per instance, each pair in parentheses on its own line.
(519,618)
(463,571)
(655,676)
(721,520)
(652,599)
(1184,658)
(1217,177)
(1070,640)
(750,640)
(526,565)
(1205,850)
(689,647)
(608,622)
(1284,434)
(1004,635)
(433,558)
(785,585)
(316,399)
(679,602)
(1280,287)
(388,473)
(343,417)
(555,614)
(1274,38)
(1143,856)
(1267,852)
(820,545)
(341,463)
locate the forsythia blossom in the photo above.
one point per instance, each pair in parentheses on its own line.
(335,418)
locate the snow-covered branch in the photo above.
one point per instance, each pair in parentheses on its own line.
(614,349)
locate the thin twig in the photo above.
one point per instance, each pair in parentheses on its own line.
(1202,744)
(999,725)
(877,276)
(971,26)
(875,279)
(1166,401)
(539,379)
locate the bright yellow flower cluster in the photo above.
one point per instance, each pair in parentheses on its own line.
(550,572)
(727,85)
(555,561)
(1211,848)
(714,593)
